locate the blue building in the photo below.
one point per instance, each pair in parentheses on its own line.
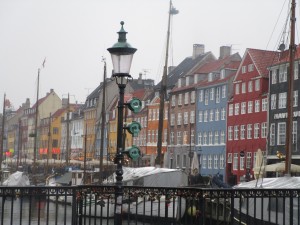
(213,94)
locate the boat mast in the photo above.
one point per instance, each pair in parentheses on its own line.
(68,132)
(84,159)
(48,150)
(289,127)
(35,125)
(162,95)
(103,119)
(2,138)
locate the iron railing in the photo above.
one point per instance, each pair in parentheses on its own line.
(82,205)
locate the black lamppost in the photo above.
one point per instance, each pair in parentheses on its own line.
(121,55)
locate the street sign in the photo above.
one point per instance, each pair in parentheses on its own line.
(135,105)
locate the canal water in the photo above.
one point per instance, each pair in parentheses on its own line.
(21,212)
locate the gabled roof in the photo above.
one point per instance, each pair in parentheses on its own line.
(186,66)
(284,56)
(206,83)
(261,59)
(58,112)
(229,62)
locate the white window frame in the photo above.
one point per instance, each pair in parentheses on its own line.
(295,98)
(217,115)
(250,86)
(192,117)
(210,138)
(250,106)
(205,117)
(201,96)
(218,95)
(229,158)
(222,139)
(243,108)
(216,161)
(211,115)
(199,138)
(273,101)
(230,110)
(282,100)
(235,161)
(223,114)
(257,105)
(236,108)
(236,132)
(257,84)
(209,164)
(224,91)
(185,117)
(264,104)
(230,133)
(242,134)
(179,118)
(173,100)
(179,100)
(272,134)
(216,139)
(237,89)
(193,97)
(243,88)
(264,129)
(281,133)
(249,131)
(186,98)
(200,115)
(256,130)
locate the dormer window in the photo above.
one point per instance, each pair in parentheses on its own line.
(222,75)
(210,77)
(179,82)
(187,81)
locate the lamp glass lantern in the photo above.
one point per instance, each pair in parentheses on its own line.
(121,55)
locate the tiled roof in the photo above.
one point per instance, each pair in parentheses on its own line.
(262,59)
(182,69)
(227,62)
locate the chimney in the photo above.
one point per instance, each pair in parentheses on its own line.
(140,78)
(198,49)
(225,51)
(64,102)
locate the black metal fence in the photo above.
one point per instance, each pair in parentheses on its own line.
(84,205)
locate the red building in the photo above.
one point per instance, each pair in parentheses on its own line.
(247,115)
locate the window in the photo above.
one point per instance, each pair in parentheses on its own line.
(250,67)
(206,97)
(235,161)
(248,160)
(199,138)
(205,116)
(230,113)
(217,115)
(211,115)
(204,138)
(250,107)
(223,114)
(179,118)
(212,94)
(172,119)
(243,88)
(264,130)
(257,105)
(222,139)
(229,158)
(264,104)
(222,74)
(257,85)
(192,141)
(222,162)
(192,117)
(209,162)
(250,86)
(243,107)
(282,74)
(216,137)
(149,136)
(180,99)
(200,114)
(166,114)
(186,118)
(201,96)
(237,89)
(256,130)
(216,160)
(236,108)
(272,134)
(154,114)
(229,132)
(173,100)
(249,131)
(242,163)
(185,137)
(295,99)
(210,137)
(223,91)
(244,69)
(282,100)
(172,138)
(242,132)
(204,162)
(153,136)
(210,77)
(179,139)
(281,134)
(186,98)
(236,132)
(273,76)
(294,132)
(218,95)
(296,71)
(273,101)
(193,97)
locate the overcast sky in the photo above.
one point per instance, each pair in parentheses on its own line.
(73,35)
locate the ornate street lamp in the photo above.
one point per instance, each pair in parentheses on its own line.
(121,55)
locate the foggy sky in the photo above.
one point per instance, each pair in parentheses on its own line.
(73,35)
